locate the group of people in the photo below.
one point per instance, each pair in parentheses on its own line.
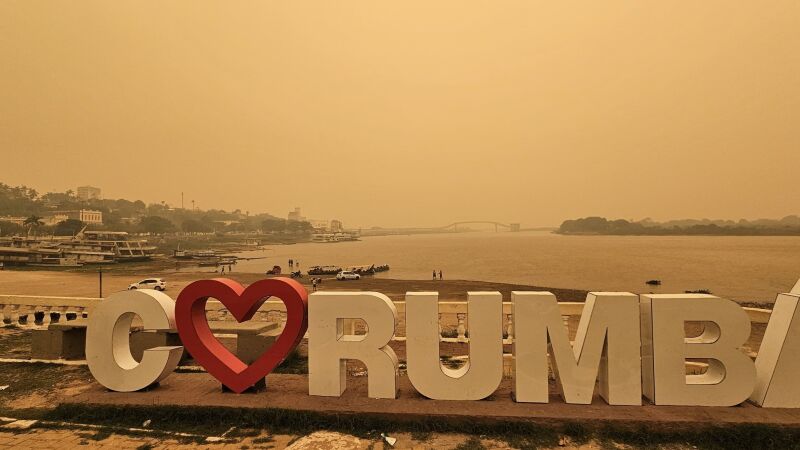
(295,264)
(440,274)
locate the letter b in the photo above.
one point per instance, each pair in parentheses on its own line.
(731,374)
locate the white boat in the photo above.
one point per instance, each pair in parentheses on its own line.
(334,237)
(115,243)
(323,238)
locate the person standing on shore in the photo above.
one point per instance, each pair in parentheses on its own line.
(440,274)
(434,274)
(314,284)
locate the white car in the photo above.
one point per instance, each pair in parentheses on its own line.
(344,275)
(150,283)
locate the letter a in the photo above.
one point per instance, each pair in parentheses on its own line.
(777,364)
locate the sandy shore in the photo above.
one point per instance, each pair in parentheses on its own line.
(83,284)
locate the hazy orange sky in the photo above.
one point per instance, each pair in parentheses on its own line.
(412,112)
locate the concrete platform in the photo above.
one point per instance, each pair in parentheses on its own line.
(291,392)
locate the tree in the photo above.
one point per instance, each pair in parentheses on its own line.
(195,226)
(33,221)
(10,228)
(69,227)
(273,225)
(156,225)
(294,226)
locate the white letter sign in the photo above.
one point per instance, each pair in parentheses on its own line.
(607,345)
(108,351)
(777,363)
(329,347)
(479,377)
(731,374)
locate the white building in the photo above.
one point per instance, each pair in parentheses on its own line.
(90,216)
(88,193)
(319,224)
(296,215)
(87,216)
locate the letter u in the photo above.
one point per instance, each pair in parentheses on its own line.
(482,374)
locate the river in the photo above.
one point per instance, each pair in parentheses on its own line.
(740,268)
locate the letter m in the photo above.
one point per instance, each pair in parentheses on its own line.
(607,347)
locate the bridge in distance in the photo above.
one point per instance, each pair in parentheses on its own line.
(497,225)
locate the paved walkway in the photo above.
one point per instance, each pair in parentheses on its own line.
(291,392)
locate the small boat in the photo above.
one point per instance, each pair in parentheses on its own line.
(699,291)
(324,270)
(364,270)
(653,282)
(193,254)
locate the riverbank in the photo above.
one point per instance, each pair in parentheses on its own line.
(86,284)
(744,269)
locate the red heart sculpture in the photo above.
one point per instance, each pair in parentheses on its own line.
(193,329)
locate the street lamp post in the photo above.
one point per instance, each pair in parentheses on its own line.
(100,278)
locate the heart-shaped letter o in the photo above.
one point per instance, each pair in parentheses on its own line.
(190,319)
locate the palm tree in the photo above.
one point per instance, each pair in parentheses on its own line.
(33,221)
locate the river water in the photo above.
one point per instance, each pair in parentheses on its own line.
(740,268)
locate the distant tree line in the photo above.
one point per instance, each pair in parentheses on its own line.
(788,226)
(278,225)
(131,216)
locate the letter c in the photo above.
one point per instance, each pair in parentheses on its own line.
(108,352)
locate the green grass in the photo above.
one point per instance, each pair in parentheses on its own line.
(523,435)
(473,443)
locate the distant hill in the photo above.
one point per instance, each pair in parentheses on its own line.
(788,226)
(126,215)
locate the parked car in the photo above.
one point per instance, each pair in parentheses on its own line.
(150,283)
(347,275)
